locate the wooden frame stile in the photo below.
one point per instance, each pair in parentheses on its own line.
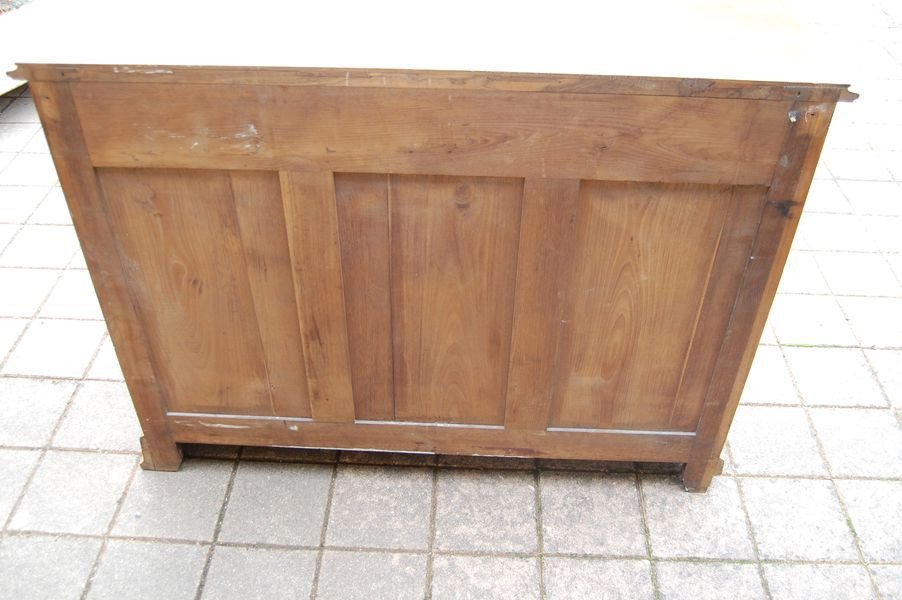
(84,197)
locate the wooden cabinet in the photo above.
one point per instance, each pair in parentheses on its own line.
(452,262)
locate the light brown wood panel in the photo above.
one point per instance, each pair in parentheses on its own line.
(644,253)
(453,253)
(258,204)
(181,249)
(308,201)
(363,219)
(484,133)
(545,258)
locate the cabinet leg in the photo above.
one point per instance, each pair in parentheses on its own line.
(160,455)
(697,476)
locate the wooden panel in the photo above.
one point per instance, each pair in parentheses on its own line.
(311,217)
(181,246)
(443,439)
(454,248)
(645,253)
(363,218)
(415,131)
(258,204)
(547,239)
(784,201)
(442,80)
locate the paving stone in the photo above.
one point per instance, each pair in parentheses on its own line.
(106,364)
(242,573)
(709,581)
(53,210)
(873,197)
(15,136)
(45,567)
(144,569)
(884,231)
(22,110)
(484,577)
(810,320)
(769,381)
(15,467)
(857,164)
(55,348)
(380,507)
(858,274)
(832,233)
(17,202)
(888,366)
(826,196)
(41,246)
(889,580)
(834,376)
(860,442)
(818,582)
(30,409)
(29,169)
(586,513)
(875,320)
(183,505)
(486,511)
(767,440)
(10,330)
(367,575)
(797,519)
(711,525)
(875,508)
(73,297)
(74,492)
(576,578)
(801,275)
(101,417)
(31,287)
(277,504)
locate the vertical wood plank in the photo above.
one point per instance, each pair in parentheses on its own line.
(308,201)
(60,120)
(258,205)
(185,266)
(785,199)
(454,247)
(363,222)
(544,265)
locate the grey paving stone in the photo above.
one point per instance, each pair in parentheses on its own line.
(875,508)
(54,348)
(106,364)
(888,366)
(18,202)
(709,581)
(10,330)
(380,507)
(799,319)
(74,492)
(277,504)
(15,467)
(858,274)
(73,297)
(889,580)
(834,376)
(484,577)
(43,246)
(711,525)
(183,505)
(486,511)
(22,110)
(797,519)
(366,575)
(588,513)
(876,320)
(101,417)
(818,582)
(15,136)
(29,169)
(32,287)
(767,440)
(53,209)
(243,573)
(45,567)
(826,196)
(884,231)
(578,578)
(144,569)
(769,381)
(832,232)
(860,442)
(30,409)
(801,275)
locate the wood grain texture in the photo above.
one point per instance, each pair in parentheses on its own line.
(258,205)
(440,80)
(634,301)
(454,248)
(363,220)
(84,197)
(430,132)
(181,248)
(784,201)
(308,201)
(547,249)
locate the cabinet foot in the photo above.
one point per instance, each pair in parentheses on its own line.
(697,476)
(160,456)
